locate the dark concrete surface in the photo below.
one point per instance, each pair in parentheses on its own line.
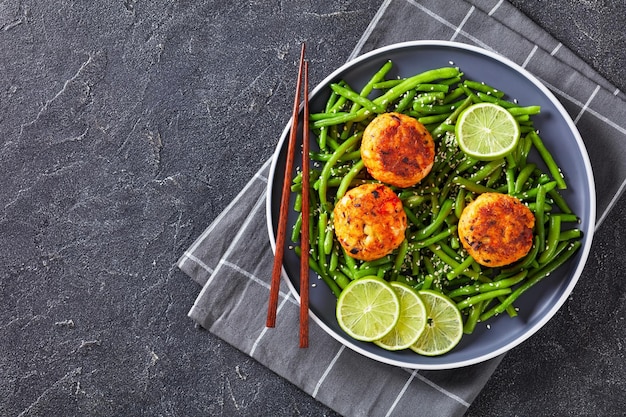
(127,126)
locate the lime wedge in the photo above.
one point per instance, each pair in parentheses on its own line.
(444,325)
(411,323)
(368,308)
(486,131)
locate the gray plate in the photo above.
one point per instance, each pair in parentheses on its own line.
(557,130)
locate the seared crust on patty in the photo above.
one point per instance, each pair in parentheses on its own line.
(397,149)
(369,221)
(496,229)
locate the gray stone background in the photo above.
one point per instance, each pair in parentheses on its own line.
(127,126)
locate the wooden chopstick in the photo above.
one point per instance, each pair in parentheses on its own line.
(304,233)
(284,204)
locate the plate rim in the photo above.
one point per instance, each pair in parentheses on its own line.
(585,249)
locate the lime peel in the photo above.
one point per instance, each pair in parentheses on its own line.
(412,321)
(368,309)
(444,328)
(487,131)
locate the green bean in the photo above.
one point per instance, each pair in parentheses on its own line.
(331,283)
(329,235)
(483,88)
(441,254)
(459,202)
(495,177)
(340,279)
(540,229)
(321,232)
(470,94)
(504,282)
(554,230)
(459,282)
(411,216)
(555,171)
(534,279)
(349,273)
(434,239)
(324,176)
(412,82)
(297,204)
(472,318)
(486,170)
(415,262)
(428,98)
(334,259)
(453,95)
(355,98)
(465,164)
(511,159)
(470,289)
(349,261)
(440,88)
(451,252)
(360,273)
(470,301)
(489,286)
(495,100)
(295,231)
(546,207)
(347,179)
(321,116)
(343,118)
(460,268)
(406,101)
(567,217)
(325,157)
(332,99)
(377,262)
(452,80)
(369,86)
(528,110)
(570,234)
(523,176)
(414,201)
(560,201)
(532,193)
(437,118)
(381,273)
(387,84)
(399,261)
(428,281)
(472,186)
(454,242)
(437,108)
(446,208)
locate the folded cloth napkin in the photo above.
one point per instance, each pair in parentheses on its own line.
(232,259)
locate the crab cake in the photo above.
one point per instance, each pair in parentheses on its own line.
(369,221)
(496,229)
(397,149)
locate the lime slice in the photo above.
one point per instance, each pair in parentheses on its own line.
(411,323)
(444,325)
(486,131)
(368,308)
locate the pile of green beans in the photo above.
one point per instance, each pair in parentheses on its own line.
(431,256)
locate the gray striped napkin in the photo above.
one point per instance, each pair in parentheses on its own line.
(232,259)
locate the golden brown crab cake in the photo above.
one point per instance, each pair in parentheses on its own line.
(496,229)
(369,221)
(397,149)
